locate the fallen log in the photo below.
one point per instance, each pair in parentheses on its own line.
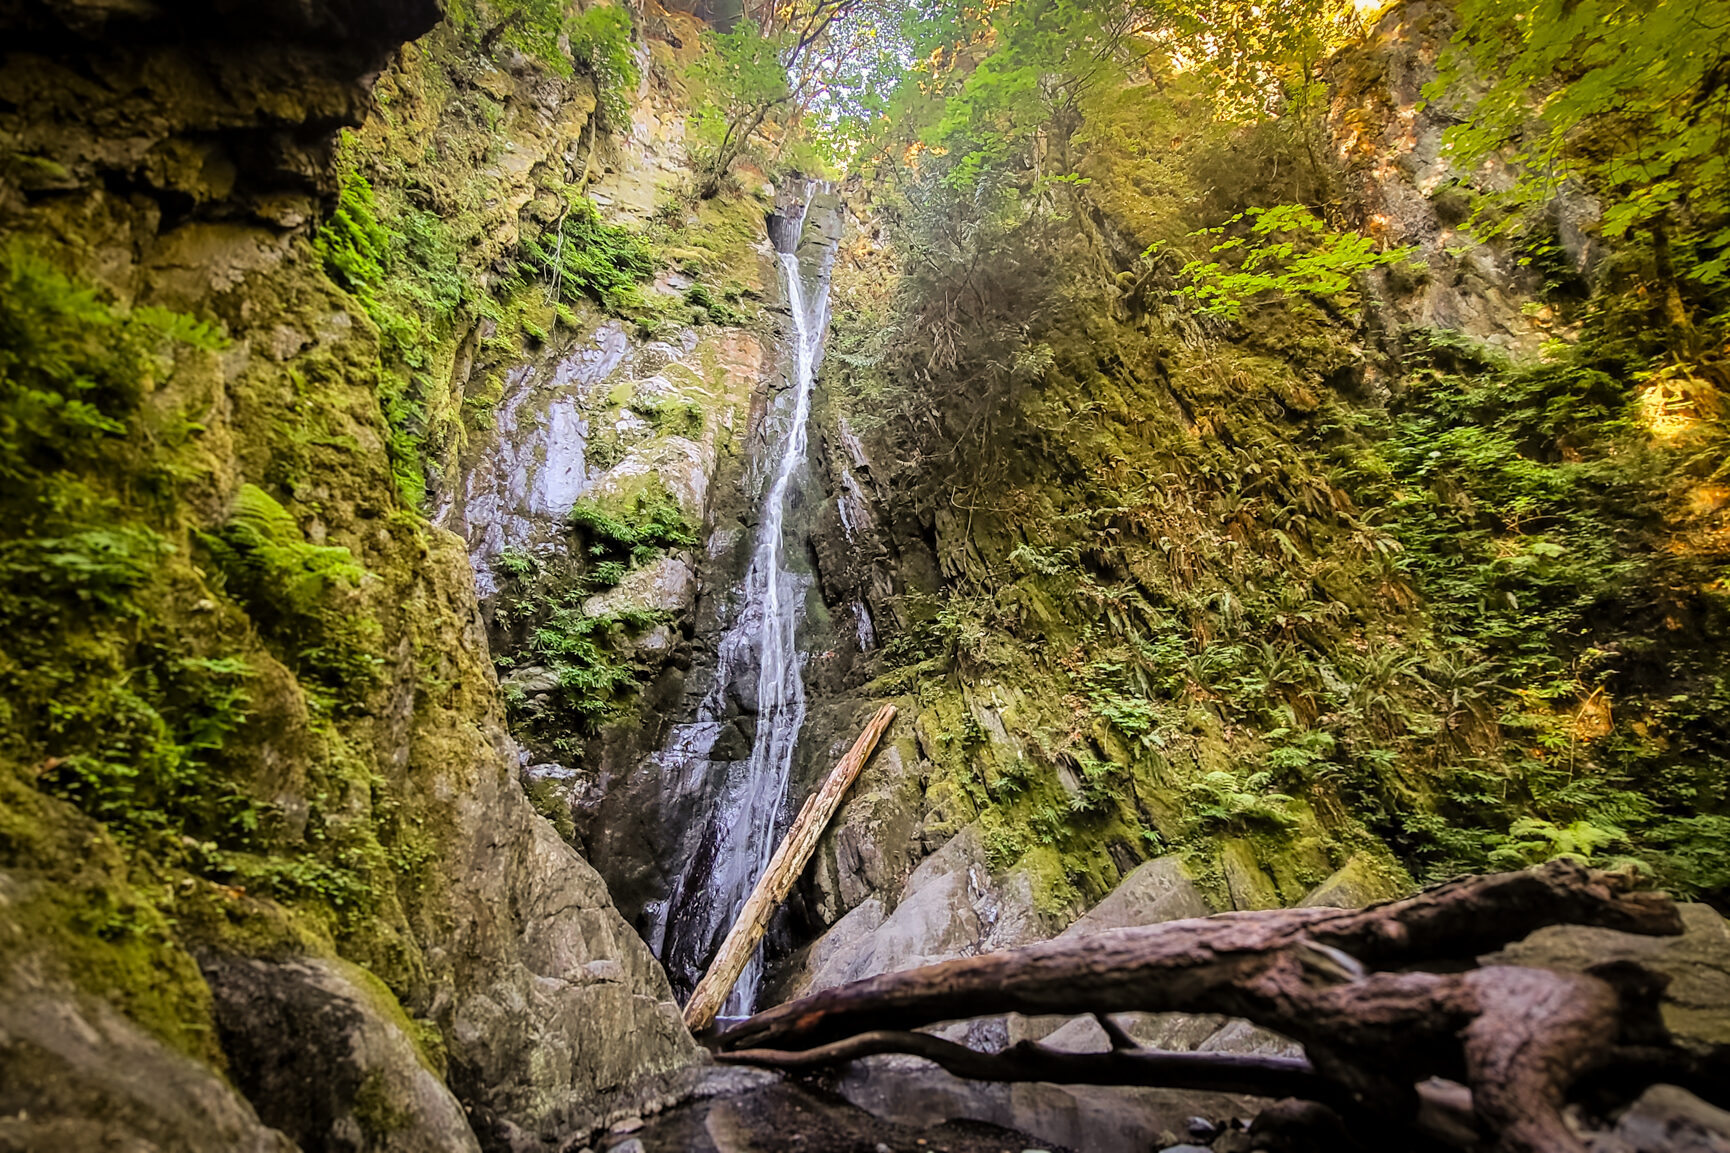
(1519,1039)
(1254,1074)
(778,879)
(1185,966)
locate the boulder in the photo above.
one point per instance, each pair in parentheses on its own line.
(1359,882)
(667,585)
(576,1022)
(1667,1120)
(1155,891)
(75,1074)
(1696,1005)
(873,845)
(326,1054)
(1247,882)
(951,906)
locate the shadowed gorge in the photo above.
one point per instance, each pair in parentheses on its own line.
(470,473)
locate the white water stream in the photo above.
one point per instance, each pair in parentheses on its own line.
(780,682)
(759,646)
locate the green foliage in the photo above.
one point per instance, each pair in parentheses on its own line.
(266,557)
(633,529)
(1523,499)
(73,367)
(353,245)
(114,715)
(96,568)
(579,663)
(1287,250)
(1220,801)
(1475,618)
(715,308)
(150,767)
(1625,98)
(600,43)
(583,257)
(740,78)
(293,589)
(360,254)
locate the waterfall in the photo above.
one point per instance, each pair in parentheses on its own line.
(744,818)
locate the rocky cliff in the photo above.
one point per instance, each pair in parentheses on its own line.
(385,430)
(268,876)
(1375,580)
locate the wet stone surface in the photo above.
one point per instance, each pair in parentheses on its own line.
(789,1117)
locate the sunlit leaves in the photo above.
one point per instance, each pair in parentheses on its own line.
(1626,97)
(1286,250)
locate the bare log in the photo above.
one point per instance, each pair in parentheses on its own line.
(778,879)
(1519,1039)
(1205,965)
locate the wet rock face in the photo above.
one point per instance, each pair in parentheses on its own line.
(603,418)
(179,156)
(221,116)
(375,26)
(603,415)
(563,1017)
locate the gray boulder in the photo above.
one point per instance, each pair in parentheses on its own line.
(1696,1005)
(1155,891)
(1358,882)
(75,1074)
(325,1053)
(1667,1120)
(951,906)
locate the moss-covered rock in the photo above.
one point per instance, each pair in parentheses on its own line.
(251,713)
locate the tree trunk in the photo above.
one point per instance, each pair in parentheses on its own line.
(777,880)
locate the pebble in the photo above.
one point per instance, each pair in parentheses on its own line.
(1201,1130)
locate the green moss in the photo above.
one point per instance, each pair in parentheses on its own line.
(633,527)
(78,917)
(715,308)
(296,591)
(582,257)
(377,1109)
(584,659)
(1474,618)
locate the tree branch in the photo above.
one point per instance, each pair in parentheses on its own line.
(1186,966)
(1261,1076)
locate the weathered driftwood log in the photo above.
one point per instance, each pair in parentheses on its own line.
(1518,1038)
(777,880)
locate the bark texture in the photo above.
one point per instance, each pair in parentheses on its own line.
(1350,985)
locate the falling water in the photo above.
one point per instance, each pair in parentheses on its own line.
(744,819)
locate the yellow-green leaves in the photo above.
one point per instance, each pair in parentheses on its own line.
(1278,252)
(1625,98)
